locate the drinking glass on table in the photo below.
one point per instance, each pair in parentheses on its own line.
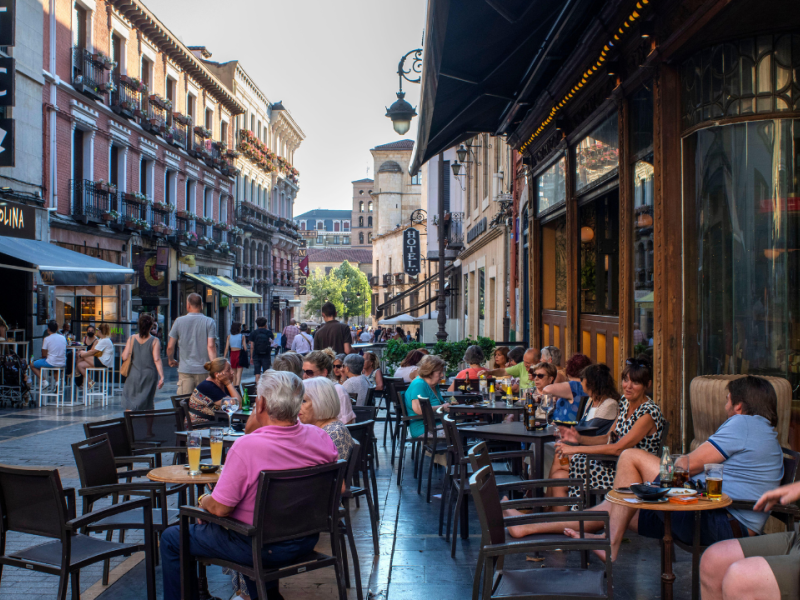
(680,473)
(563,459)
(193,443)
(548,406)
(230,405)
(714,482)
(216,445)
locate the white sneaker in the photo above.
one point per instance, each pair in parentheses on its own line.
(45,384)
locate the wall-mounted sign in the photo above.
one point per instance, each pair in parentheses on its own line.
(6,142)
(8,71)
(479,228)
(17,220)
(411,251)
(203,270)
(8,16)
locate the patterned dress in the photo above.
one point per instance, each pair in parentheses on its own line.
(601,472)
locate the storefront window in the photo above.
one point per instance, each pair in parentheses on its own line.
(747,236)
(554,264)
(641,124)
(85,305)
(599,255)
(597,154)
(552,187)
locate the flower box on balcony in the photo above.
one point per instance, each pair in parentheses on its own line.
(136,198)
(159,229)
(202,132)
(104,186)
(134,83)
(111,215)
(182,214)
(107,87)
(182,119)
(159,101)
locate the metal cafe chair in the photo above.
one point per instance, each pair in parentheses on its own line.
(289,504)
(33,502)
(100,479)
(365,472)
(499,582)
(430,444)
(154,431)
(120,440)
(346,526)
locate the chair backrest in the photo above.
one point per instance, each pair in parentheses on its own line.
(117,432)
(176,400)
(396,389)
(365,413)
(487,504)
(353,396)
(95,461)
(352,464)
(362,433)
(32,501)
(479,457)
(428,418)
(252,391)
(154,427)
(791,460)
(455,444)
(370,399)
(298,502)
(187,415)
(400,407)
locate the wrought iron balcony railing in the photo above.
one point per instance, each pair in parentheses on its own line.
(89,74)
(90,199)
(126,100)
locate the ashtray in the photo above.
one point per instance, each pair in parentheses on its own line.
(648,493)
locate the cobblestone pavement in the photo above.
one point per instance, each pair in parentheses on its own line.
(414,562)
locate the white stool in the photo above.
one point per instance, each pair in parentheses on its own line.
(98,375)
(56,391)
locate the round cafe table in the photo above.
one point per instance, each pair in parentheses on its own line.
(179,474)
(667,576)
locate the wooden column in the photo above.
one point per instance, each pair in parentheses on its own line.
(668,227)
(573,262)
(534,276)
(626,253)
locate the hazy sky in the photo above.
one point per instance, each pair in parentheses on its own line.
(333,64)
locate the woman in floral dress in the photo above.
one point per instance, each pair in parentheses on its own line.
(639,425)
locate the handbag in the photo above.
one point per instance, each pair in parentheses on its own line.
(244,358)
(125,367)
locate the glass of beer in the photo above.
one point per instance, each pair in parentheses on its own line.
(194,443)
(714,481)
(680,475)
(216,445)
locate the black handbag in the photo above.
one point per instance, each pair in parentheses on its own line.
(244,358)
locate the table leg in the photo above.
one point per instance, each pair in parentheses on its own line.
(202,580)
(667,577)
(696,557)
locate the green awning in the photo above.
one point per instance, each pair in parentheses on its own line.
(225,286)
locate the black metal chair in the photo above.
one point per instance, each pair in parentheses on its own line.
(403,439)
(346,527)
(176,403)
(120,440)
(370,399)
(32,501)
(154,431)
(289,504)
(386,398)
(430,444)
(533,583)
(99,479)
(365,472)
(396,390)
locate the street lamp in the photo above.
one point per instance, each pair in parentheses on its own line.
(401,112)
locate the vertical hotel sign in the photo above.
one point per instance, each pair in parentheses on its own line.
(17,220)
(8,19)
(411,256)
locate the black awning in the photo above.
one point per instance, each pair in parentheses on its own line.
(486,61)
(59,266)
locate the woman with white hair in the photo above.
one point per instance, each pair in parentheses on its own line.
(321,408)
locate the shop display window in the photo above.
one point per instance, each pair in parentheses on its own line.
(552,187)
(597,155)
(599,256)
(554,264)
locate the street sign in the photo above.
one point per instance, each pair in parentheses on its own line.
(7,76)
(8,10)
(411,257)
(6,142)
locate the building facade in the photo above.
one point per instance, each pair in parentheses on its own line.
(362,214)
(323,228)
(329,259)
(137,161)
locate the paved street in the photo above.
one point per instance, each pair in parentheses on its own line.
(414,562)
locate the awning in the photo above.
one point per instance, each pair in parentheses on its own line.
(59,266)
(470,88)
(225,286)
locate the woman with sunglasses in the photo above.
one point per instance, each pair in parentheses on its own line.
(320,364)
(338,373)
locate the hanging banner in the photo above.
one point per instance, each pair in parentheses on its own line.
(411,257)
(304,266)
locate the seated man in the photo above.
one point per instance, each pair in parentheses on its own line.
(759,568)
(519,370)
(356,382)
(747,444)
(280,442)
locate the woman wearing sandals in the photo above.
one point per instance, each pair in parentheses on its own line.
(146,373)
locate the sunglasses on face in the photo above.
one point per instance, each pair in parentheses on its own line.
(309,373)
(539,375)
(337,366)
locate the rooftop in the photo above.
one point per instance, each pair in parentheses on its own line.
(322,213)
(401,145)
(365,180)
(353,255)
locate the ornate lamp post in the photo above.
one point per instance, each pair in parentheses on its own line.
(401,112)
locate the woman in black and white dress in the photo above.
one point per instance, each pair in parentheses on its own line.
(638,425)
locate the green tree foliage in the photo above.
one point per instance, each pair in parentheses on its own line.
(340,287)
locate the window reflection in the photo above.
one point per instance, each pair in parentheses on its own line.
(554,264)
(643,173)
(597,154)
(552,187)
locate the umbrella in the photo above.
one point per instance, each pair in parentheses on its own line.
(398,320)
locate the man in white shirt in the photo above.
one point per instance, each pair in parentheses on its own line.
(54,350)
(302,342)
(366,336)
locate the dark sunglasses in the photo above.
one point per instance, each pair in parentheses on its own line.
(337,366)
(539,375)
(309,373)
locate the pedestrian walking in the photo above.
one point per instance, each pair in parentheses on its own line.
(289,333)
(261,347)
(303,343)
(147,372)
(234,346)
(333,334)
(194,334)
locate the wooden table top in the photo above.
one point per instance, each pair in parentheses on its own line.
(616,497)
(180,474)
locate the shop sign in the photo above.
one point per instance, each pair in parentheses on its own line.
(477,230)
(7,19)
(202,270)
(411,256)
(17,220)
(304,266)
(8,73)
(152,281)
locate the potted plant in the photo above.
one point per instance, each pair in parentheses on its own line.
(202,131)
(104,186)
(110,215)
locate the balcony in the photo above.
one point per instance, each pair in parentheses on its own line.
(161,219)
(454,232)
(155,120)
(89,73)
(387,280)
(91,200)
(126,100)
(178,134)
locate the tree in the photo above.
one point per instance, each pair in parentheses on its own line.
(324,288)
(356,283)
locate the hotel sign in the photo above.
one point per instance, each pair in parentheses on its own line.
(17,220)
(411,256)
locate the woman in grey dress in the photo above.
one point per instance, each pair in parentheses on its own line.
(146,373)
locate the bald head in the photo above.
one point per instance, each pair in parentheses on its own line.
(531,357)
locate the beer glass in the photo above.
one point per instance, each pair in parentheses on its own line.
(681,474)
(194,442)
(714,482)
(216,445)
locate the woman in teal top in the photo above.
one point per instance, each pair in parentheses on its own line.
(431,369)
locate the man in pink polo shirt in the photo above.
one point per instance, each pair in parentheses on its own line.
(281,442)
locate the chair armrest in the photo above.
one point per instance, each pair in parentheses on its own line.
(527,484)
(169,449)
(602,457)
(558,517)
(784,509)
(530,546)
(538,502)
(134,473)
(509,454)
(143,486)
(130,460)
(103,513)
(69,494)
(226,522)
(409,419)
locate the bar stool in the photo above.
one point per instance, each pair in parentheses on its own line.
(58,385)
(98,375)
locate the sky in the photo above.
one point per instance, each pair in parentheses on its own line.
(333,64)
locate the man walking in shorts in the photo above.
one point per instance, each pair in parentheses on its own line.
(196,336)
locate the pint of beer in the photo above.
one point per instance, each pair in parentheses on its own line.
(714,481)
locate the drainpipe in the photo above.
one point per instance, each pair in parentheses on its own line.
(53,109)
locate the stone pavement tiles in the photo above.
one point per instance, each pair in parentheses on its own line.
(414,562)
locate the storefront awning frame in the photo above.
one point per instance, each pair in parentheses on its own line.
(227,287)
